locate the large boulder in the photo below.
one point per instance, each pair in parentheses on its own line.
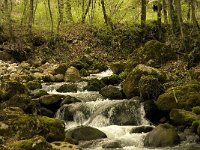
(111,92)
(35,143)
(61,69)
(182,117)
(72,74)
(196,127)
(67,88)
(118,67)
(183,97)
(23,126)
(163,135)
(85,133)
(112,80)
(94,85)
(130,85)
(33,85)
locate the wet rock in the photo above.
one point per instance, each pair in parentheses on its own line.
(68,100)
(111,92)
(130,85)
(196,110)
(67,88)
(112,80)
(12,88)
(51,102)
(46,112)
(39,93)
(23,126)
(118,67)
(94,85)
(64,146)
(72,75)
(196,127)
(61,69)
(182,117)
(112,145)
(48,78)
(163,135)
(142,129)
(35,143)
(85,133)
(33,85)
(59,77)
(150,87)
(80,65)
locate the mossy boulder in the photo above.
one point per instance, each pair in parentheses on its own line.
(111,92)
(182,117)
(39,93)
(118,67)
(185,96)
(153,53)
(11,88)
(67,88)
(161,136)
(131,83)
(112,80)
(22,101)
(23,126)
(58,145)
(35,143)
(150,87)
(112,145)
(33,85)
(69,99)
(85,133)
(196,127)
(72,75)
(94,85)
(84,72)
(196,110)
(142,129)
(79,65)
(61,69)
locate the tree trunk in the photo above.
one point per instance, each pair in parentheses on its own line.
(24,12)
(172,16)
(194,19)
(179,15)
(30,23)
(68,11)
(59,17)
(86,11)
(165,11)
(51,16)
(189,10)
(143,13)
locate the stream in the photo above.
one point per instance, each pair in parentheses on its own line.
(109,116)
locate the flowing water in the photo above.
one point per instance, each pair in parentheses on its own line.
(109,116)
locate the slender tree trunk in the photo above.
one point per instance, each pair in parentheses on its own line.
(194,19)
(189,10)
(59,17)
(143,13)
(159,19)
(30,23)
(68,11)
(51,16)
(165,11)
(8,19)
(179,15)
(172,16)
(24,11)
(35,9)
(86,11)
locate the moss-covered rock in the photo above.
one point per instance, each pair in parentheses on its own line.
(182,117)
(94,85)
(12,88)
(118,67)
(112,80)
(196,110)
(22,101)
(39,93)
(196,127)
(84,72)
(35,143)
(185,96)
(23,126)
(79,65)
(69,99)
(33,85)
(85,133)
(130,85)
(161,136)
(64,146)
(153,53)
(72,74)
(61,69)
(150,87)
(111,92)
(67,88)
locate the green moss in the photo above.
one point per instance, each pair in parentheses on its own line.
(61,69)
(40,93)
(196,110)
(195,125)
(94,85)
(117,67)
(33,85)
(123,74)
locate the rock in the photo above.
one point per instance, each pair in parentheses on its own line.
(48,78)
(33,85)
(152,113)
(51,102)
(35,143)
(150,87)
(79,65)
(118,67)
(59,77)
(84,72)
(46,112)
(64,146)
(196,127)
(12,88)
(130,85)
(97,67)
(111,80)
(111,92)
(19,123)
(40,93)
(184,97)
(94,85)
(112,145)
(85,133)
(72,75)
(67,88)
(68,100)
(142,129)
(182,117)
(163,135)
(6,57)
(196,110)
(38,75)
(61,69)
(25,65)
(22,101)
